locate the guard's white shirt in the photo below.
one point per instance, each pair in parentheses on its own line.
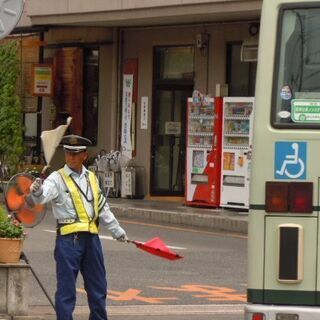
(55,190)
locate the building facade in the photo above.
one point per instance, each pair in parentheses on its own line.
(166,48)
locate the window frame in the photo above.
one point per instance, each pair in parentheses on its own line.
(274,93)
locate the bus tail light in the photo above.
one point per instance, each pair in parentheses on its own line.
(300,197)
(296,197)
(258,316)
(277,196)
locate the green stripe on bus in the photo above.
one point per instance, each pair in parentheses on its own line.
(255,296)
(257,207)
(287,297)
(263,207)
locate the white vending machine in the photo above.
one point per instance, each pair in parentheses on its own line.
(236,151)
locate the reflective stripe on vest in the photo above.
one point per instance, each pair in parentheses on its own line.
(83,223)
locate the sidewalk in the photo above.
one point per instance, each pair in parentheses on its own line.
(177,213)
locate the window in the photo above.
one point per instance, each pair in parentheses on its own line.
(90,94)
(296,92)
(77,89)
(241,76)
(174,63)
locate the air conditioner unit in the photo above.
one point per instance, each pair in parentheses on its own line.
(249,49)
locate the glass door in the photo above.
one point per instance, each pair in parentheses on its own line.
(172,85)
(168,142)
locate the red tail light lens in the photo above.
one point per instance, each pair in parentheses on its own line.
(300,197)
(257,316)
(296,197)
(277,196)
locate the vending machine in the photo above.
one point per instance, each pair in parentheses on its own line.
(236,151)
(203,162)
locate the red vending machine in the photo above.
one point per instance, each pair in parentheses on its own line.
(203,163)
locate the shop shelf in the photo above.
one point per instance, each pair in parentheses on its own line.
(203,146)
(235,146)
(201,117)
(235,117)
(200,133)
(236,134)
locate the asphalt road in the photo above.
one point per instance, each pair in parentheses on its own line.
(208,283)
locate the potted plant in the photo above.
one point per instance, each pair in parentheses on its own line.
(11,238)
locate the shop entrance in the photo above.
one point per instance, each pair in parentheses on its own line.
(173,84)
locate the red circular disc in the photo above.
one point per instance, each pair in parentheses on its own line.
(29,214)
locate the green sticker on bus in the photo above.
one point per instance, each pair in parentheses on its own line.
(305,110)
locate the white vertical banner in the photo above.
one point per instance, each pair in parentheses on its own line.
(126,146)
(144,113)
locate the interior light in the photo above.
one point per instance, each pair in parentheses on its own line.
(277,196)
(300,197)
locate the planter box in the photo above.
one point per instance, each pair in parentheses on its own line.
(14,291)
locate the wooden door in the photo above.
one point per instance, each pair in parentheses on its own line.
(68,98)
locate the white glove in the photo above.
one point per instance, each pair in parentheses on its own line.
(118,233)
(123,238)
(36,187)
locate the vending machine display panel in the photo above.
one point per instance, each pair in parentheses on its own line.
(203,163)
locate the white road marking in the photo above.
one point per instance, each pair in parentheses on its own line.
(177,309)
(106,238)
(156,310)
(51,231)
(110,238)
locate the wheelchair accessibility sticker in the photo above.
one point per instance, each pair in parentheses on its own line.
(290,160)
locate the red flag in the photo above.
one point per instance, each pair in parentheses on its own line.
(157,247)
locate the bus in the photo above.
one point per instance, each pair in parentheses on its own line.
(284,229)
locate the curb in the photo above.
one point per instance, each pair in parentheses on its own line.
(7,317)
(216,222)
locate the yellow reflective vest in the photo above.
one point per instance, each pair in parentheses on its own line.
(83,222)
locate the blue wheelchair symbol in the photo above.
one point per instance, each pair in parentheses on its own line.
(290,160)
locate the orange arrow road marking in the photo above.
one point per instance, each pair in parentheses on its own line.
(211,293)
(131,295)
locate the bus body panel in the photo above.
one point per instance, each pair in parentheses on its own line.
(309,244)
(266,292)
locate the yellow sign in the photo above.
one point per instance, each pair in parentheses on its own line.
(42,80)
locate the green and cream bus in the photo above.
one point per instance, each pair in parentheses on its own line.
(284,219)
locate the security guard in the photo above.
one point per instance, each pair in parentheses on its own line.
(79,207)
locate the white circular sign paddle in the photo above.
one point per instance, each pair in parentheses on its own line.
(10,13)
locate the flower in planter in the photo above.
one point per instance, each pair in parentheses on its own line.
(10,227)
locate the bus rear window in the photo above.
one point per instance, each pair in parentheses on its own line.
(296,94)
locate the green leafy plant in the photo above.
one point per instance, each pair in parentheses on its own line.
(10,227)
(11,122)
